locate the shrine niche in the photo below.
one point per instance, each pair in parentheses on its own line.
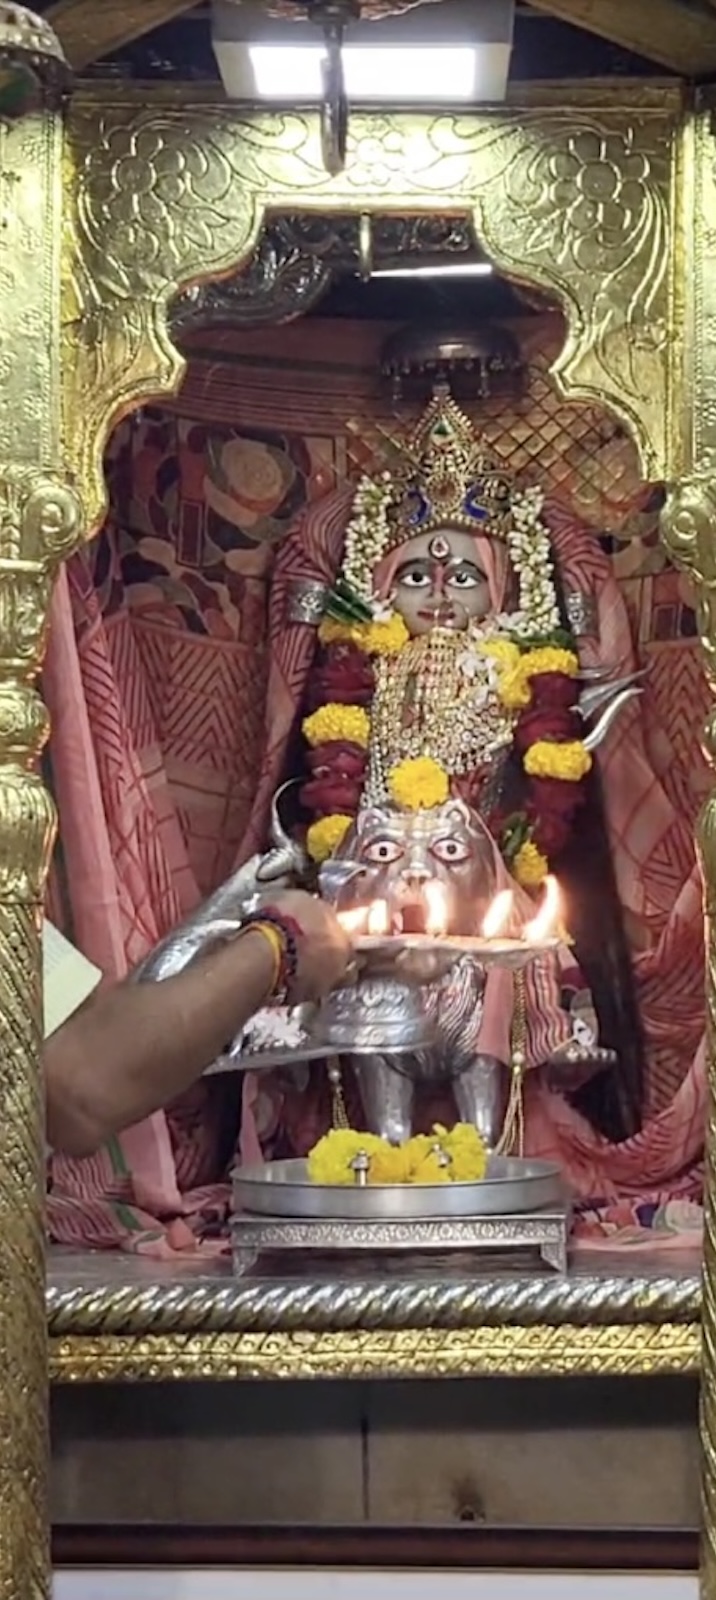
(577,208)
(162,206)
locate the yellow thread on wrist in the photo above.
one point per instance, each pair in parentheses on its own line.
(273,939)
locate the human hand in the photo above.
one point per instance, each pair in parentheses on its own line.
(324,951)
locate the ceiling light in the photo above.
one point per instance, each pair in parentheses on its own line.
(397,73)
(455,51)
(445,269)
(459,57)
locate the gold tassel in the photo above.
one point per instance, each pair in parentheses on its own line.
(339,1115)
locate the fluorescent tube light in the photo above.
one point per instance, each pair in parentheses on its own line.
(447,269)
(394,73)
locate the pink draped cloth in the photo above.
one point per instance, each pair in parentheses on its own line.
(131,880)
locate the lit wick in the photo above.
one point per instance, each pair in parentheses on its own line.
(354,921)
(378,919)
(547,920)
(498,915)
(436,911)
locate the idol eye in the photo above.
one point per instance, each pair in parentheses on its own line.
(413,578)
(450,850)
(465,579)
(382,852)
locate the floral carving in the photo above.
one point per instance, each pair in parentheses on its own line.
(157,203)
(378,157)
(599,185)
(576,201)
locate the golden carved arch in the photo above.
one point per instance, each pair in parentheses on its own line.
(578,200)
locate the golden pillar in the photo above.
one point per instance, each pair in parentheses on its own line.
(689,525)
(689,528)
(39,522)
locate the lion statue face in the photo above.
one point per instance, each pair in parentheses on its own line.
(400,853)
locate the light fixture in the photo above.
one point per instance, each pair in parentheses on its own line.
(444,269)
(454,53)
(396,73)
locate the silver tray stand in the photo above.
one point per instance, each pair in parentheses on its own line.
(544,1231)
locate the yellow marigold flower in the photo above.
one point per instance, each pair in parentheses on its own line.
(334,721)
(429,1170)
(416,1150)
(416,1161)
(419,784)
(503,651)
(467,1152)
(551,658)
(330,1160)
(530,866)
(514,689)
(550,759)
(512,686)
(324,836)
(331,631)
(385,638)
(390,1163)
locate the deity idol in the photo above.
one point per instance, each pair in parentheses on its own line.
(447,743)
(468,641)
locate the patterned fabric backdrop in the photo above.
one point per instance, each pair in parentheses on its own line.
(157,669)
(203,493)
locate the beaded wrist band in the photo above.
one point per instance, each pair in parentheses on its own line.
(283,934)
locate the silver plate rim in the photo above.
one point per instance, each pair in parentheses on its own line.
(282,1188)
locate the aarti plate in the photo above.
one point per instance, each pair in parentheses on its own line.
(399,948)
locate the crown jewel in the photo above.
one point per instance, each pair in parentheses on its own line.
(448,477)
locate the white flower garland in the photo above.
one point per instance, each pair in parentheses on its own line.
(530,552)
(528,545)
(368,533)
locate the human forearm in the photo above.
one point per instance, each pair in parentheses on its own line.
(135,1047)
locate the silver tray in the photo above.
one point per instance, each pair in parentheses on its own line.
(511,1187)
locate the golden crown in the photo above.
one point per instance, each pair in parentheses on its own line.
(448,478)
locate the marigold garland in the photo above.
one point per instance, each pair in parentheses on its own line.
(530,866)
(419,784)
(418,1160)
(332,723)
(549,658)
(385,637)
(324,836)
(569,760)
(529,643)
(517,667)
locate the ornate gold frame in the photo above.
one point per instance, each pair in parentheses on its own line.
(608,202)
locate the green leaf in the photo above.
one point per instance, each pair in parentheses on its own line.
(344,604)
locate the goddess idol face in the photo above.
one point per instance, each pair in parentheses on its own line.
(439,582)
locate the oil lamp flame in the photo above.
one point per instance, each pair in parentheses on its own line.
(355,921)
(436,909)
(547,920)
(498,915)
(378,919)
